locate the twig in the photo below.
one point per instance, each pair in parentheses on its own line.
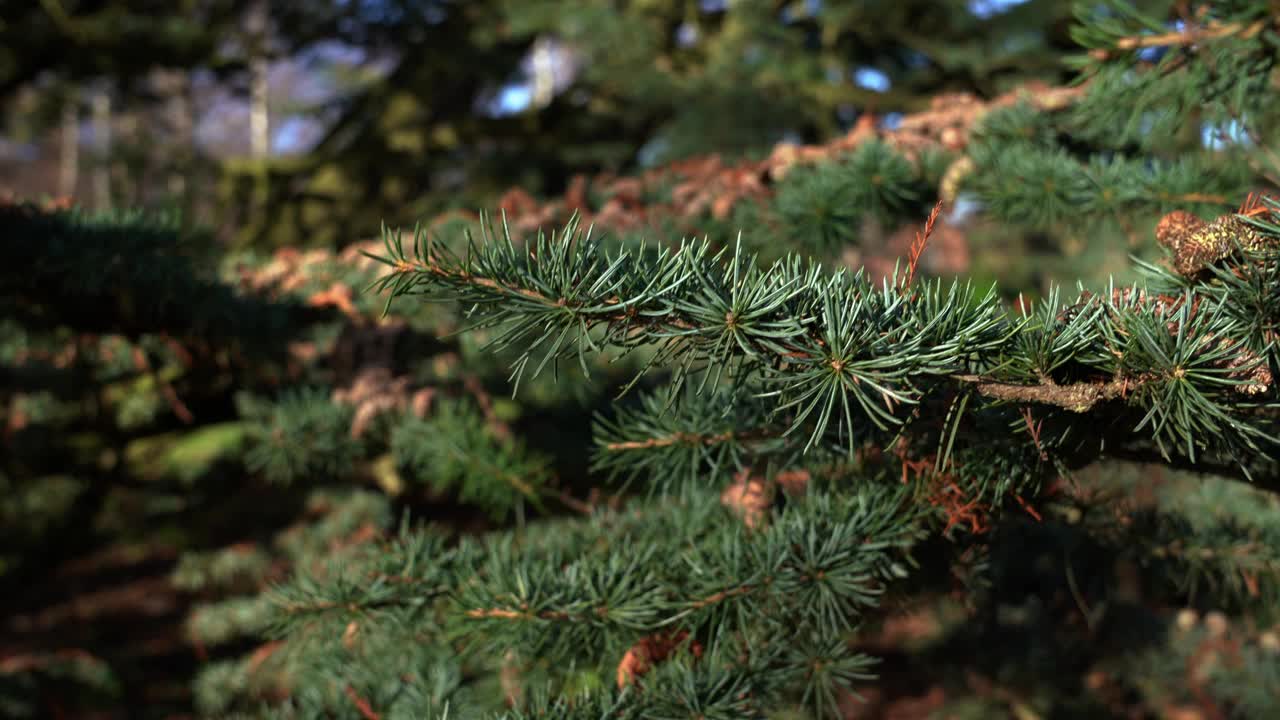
(1075,594)
(1078,397)
(1188,36)
(175,403)
(366,710)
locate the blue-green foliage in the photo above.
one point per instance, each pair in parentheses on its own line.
(456,450)
(823,207)
(303,437)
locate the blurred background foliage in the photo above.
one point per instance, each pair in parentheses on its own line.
(375,110)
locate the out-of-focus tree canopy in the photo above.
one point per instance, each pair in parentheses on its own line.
(486,94)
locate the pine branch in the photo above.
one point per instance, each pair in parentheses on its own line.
(1191,34)
(1081,397)
(838,352)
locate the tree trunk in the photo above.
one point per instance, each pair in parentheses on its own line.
(101,106)
(175,87)
(543,72)
(69,150)
(259,117)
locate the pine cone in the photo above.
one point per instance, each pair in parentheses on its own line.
(1256,380)
(1215,242)
(1175,227)
(1196,244)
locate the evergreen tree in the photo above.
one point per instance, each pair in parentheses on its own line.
(807,453)
(683,455)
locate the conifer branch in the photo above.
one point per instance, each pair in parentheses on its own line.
(1080,397)
(1190,35)
(838,352)
(666,441)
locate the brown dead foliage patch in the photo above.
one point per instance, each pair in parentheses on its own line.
(649,651)
(688,189)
